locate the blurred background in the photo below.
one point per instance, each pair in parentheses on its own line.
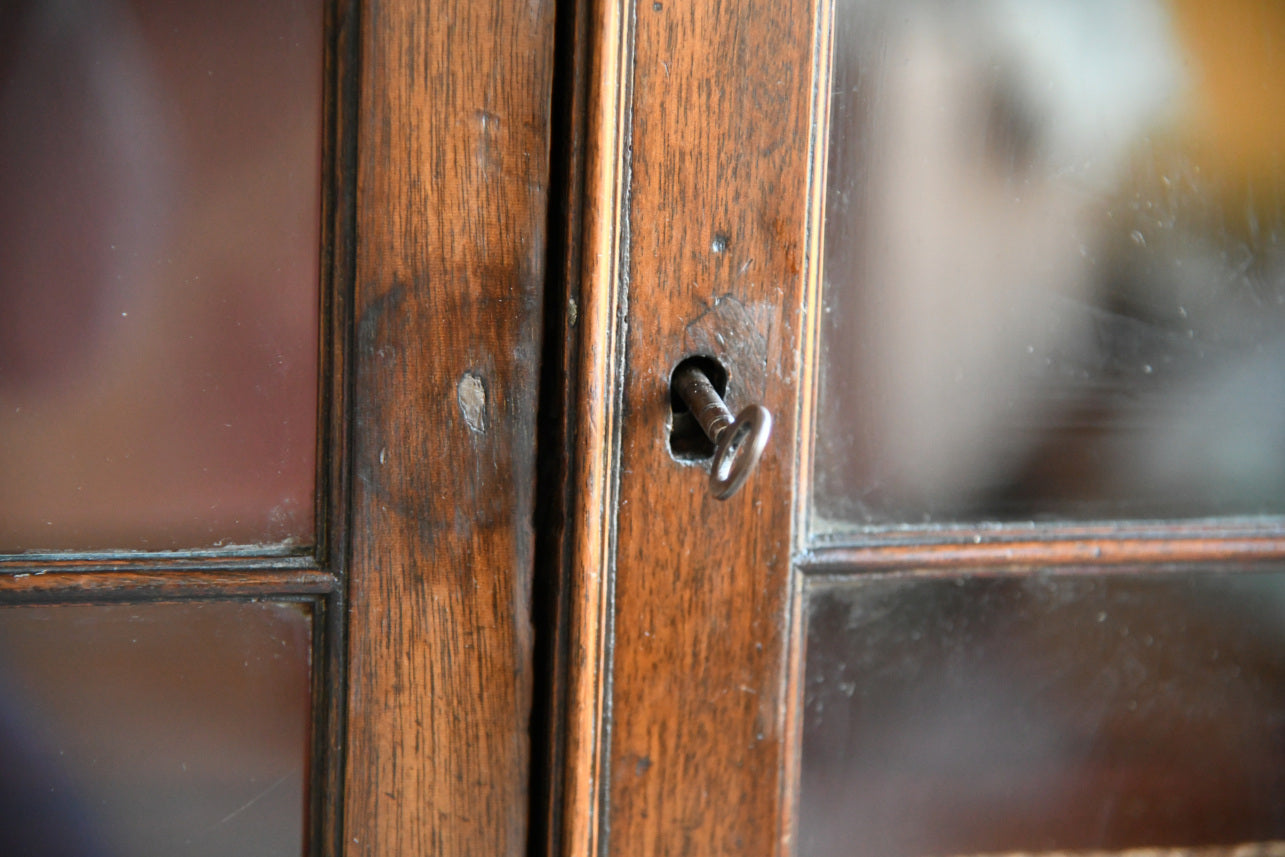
(154,729)
(159,242)
(1045,713)
(160,186)
(1054,269)
(1054,291)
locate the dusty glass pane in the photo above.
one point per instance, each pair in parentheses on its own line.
(1043,713)
(159,223)
(160,729)
(1054,262)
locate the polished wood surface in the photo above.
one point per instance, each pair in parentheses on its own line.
(1177,545)
(138,582)
(696,202)
(451,202)
(704,160)
(597,342)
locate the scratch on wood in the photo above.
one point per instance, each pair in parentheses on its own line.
(471,394)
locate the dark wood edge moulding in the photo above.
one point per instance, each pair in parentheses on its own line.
(341,99)
(997,533)
(1212,545)
(40,585)
(556,435)
(579,808)
(809,348)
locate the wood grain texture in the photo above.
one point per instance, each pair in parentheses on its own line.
(339,188)
(593,472)
(450,213)
(74,584)
(713,239)
(235,560)
(704,166)
(339,194)
(559,403)
(1030,553)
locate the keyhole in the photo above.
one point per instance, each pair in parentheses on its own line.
(686,440)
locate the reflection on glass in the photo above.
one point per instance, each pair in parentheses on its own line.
(154,729)
(1055,262)
(159,222)
(1043,713)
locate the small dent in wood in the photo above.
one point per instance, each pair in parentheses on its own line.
(471,394)
(489,150)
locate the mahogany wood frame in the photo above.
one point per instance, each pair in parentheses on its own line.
(704,160)
(697,160)
(451,195)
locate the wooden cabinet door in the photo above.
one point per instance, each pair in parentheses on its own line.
(696,241)
(990,589)
(415,576)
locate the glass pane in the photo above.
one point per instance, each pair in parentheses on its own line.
(159,223)
(1055,262)
(161,729)
(1043,713)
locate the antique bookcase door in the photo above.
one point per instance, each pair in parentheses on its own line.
(365,616)
(1009,576)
